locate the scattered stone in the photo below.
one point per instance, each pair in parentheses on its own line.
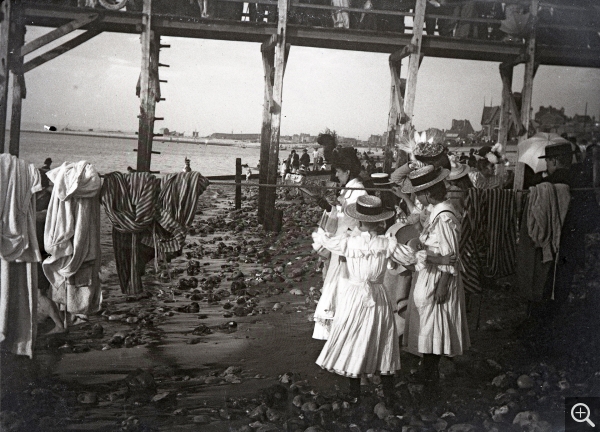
(462,427)
(258,413)
(501,381)
(525,382)
(297,292)
(201,330)
(382,411)
(440,425)
(494,364)
(87,398)
(201,419)
(309,406)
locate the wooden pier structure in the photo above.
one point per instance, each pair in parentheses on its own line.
(276,30)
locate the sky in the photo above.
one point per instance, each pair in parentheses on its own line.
(217,86)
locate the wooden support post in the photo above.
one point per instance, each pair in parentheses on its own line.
(526,95)
(596,171)
(268,56)
(148,88)
(413,65)
(506,74)
(5,18)
(275,110)
(238,180)
(396,115)
(19,90)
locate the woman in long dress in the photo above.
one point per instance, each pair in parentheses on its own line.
(436,323)
(363,338)
(347,171)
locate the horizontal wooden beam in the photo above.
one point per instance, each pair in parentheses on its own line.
(55,34)
(345,39)
(59,50)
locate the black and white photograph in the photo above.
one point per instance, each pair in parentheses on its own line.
(299,215)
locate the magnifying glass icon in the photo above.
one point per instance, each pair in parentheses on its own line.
(582,414)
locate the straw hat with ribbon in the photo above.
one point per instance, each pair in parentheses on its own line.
(424,178)
(381,179)
(368,208)
(458,170)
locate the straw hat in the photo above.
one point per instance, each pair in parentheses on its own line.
(381,179)
(458,170)
(368,208)
(423,178)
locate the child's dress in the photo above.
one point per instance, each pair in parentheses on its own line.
(433,328)
(363,337)
(336,270)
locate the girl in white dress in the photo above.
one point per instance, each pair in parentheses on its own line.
(347,171)
(363,337)
(436,324)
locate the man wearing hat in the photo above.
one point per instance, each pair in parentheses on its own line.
(559,161)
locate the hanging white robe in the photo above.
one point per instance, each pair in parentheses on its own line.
(72,237)
(19,253)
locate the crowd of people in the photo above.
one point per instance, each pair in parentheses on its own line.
(509,21)
(393,273)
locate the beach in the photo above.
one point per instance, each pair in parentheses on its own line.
(219,357)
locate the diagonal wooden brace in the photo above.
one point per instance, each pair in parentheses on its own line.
(55,34)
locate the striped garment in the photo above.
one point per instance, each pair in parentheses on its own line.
(176,209)
(489,233)
(130,203)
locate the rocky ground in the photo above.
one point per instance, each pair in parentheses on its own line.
(221,341)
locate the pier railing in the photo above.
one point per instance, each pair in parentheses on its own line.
(557,24)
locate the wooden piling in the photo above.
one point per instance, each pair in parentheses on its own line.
(526,95)
(396,115)
(5,19)
(148,88)
(275,109)
(18,79)
(596,171)
(268,57)
(413,65)
(238,181)
(506,74)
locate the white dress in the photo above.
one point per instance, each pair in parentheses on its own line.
(363,338)
(336,270)
(433,328)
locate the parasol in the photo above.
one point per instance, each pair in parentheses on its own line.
(532,148)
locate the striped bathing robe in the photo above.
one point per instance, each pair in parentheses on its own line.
(130,203)
(149,215)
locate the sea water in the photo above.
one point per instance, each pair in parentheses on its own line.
(116,154)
